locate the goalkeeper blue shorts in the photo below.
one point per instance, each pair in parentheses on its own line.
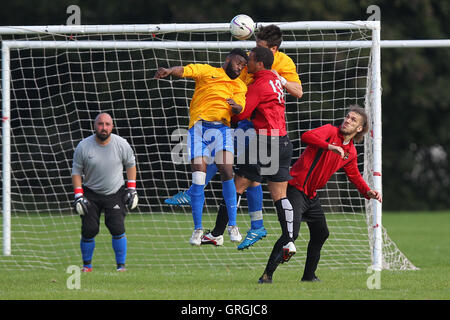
(207,138)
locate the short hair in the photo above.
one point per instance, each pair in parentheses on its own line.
(263,55)
(365,124)
(271,34)
(238,52)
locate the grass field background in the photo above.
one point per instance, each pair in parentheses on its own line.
(423,237)
(51,241)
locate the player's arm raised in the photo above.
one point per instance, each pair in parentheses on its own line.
(318,137)
(295,89)
(292,87)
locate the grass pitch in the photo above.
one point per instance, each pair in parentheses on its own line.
(422,236)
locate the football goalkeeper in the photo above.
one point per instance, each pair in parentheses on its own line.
(329,149)
(100,158)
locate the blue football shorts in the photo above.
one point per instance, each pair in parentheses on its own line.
(207,138)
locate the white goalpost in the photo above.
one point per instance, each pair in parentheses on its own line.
(55,79)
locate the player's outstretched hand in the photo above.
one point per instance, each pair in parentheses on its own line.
(373,194)
(173,71)
(162,73)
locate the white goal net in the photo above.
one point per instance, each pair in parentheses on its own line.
(60,78)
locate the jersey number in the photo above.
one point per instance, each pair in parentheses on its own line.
(278,89)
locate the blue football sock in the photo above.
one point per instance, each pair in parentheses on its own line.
(189,191)
(119,244)
(211,171)
(197,200)
(229,195)
(255,202)
(87,247)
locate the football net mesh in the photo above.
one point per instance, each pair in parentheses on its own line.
(56,93)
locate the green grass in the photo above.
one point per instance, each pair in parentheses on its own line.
(160,240)
(423,237)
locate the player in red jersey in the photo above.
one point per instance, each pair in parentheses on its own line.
(266,107)
(329,149)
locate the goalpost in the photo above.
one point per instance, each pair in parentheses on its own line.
(56,79)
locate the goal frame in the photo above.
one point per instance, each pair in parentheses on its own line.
(375,82)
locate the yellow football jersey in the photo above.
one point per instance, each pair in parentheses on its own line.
(212,88)
(282,64)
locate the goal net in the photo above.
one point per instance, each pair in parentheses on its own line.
(57,79)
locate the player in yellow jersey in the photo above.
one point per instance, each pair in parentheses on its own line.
(271,37)
(210,136)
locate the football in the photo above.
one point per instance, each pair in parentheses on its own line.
(242,27)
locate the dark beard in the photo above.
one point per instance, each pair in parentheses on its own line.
(101,137)
(230,72)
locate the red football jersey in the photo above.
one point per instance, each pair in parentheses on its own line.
(317,164)
(264,103)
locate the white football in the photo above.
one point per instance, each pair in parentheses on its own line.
(242,27)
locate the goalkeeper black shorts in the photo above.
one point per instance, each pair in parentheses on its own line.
(114,208)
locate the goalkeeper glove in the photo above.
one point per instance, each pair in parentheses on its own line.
(80,203)
(131,197)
